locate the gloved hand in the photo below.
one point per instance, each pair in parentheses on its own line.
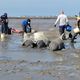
(54,25)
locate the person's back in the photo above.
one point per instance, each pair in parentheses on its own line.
(3,19)
(24,22)
(26,25)
(62,18)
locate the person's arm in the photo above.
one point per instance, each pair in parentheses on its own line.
(67,21)
(57,20)
(7,20)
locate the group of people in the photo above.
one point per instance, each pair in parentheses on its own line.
(5,29)
(26,25)
(64,22)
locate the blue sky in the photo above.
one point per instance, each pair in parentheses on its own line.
(39,7)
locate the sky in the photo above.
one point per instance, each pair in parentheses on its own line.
(39,7)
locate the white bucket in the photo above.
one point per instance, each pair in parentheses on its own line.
(76,30)
(2,36)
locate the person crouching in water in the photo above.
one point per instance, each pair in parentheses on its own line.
(26,26)
(4,23)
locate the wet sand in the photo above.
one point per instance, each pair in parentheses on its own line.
(21,63)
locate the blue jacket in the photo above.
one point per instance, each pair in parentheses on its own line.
(24,23)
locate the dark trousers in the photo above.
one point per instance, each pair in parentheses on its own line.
(61,30)
(4,28)
(24,28)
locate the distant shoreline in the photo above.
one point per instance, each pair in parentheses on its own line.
(38,17)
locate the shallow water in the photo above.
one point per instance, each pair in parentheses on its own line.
(21,63)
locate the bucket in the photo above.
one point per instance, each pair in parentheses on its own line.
(68,28)
(76,30)
(28,29)
(2,36)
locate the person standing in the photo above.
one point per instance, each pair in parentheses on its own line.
(63,21)
(78,26)
(4,23)
(78,21)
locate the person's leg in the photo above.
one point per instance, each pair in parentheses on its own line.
(73,37)
(6,28)
(2,28)
(61,31)
(30,29)
(24,28)
(70,35)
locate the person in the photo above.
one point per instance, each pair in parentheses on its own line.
(14,30)
(26,25)
(78,26)
(4,23)
(63,21)
(78,21)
